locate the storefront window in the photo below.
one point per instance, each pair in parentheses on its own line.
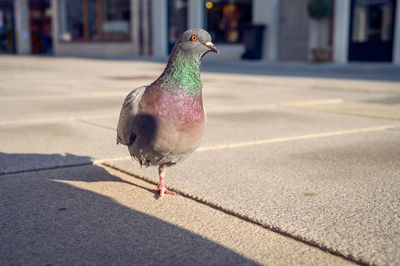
(372,20)
(226,19)
(95,20)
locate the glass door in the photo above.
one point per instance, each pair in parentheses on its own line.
(7,43)
(371,30)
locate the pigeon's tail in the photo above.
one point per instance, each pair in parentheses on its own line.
(119,141)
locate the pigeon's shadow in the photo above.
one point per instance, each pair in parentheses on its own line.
(17,163)
(46,220)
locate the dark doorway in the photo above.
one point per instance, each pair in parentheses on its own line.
(371,30)
(7,40)
(40,26)
(228,20)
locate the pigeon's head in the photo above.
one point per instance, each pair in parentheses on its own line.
(195,43)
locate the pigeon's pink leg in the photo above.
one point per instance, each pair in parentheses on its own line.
(161,187)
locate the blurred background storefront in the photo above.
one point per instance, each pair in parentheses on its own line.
(95,28)
(7,28)
(349,30)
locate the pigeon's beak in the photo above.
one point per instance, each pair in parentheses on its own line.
(212,47)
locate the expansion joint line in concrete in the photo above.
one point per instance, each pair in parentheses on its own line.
(95,124)
(45,168)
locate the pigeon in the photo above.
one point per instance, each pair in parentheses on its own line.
(162,123)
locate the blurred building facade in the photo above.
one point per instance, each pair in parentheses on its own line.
(356,30)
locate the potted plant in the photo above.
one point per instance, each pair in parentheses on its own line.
(319,12)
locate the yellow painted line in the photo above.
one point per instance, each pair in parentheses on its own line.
(63,96)
(316,102)
(274,105)
(303,137)
(100,161)
(276,140)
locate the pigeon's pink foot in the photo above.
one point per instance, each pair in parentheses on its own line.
(162,189)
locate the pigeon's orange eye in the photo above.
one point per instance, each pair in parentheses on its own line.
(193,38)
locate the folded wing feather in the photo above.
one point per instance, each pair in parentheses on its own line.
(129,110)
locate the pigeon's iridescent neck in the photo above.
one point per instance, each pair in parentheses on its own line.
(183,73)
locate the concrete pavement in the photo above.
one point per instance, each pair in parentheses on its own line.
(304,163)
(96,215)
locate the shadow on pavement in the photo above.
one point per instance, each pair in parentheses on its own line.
(365,71)
(13,163)
(45,221)
(353,70)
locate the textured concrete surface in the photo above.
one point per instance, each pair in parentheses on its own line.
(387,108)
(340,192)
(94,138)
(311,153)
(91,215)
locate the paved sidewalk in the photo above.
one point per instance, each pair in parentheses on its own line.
(303,161)
(96,215)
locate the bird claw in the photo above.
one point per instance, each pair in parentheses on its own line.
(162,190)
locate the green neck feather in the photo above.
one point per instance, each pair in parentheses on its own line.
(183,72)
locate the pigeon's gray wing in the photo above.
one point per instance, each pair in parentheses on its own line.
(125,133)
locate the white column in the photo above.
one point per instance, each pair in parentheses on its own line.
(55,30)
(341,29)
(135,24)
(396,41)
(22,31)
(266,12)
(145,27)
(195,14)
(318,35)
(159,28)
